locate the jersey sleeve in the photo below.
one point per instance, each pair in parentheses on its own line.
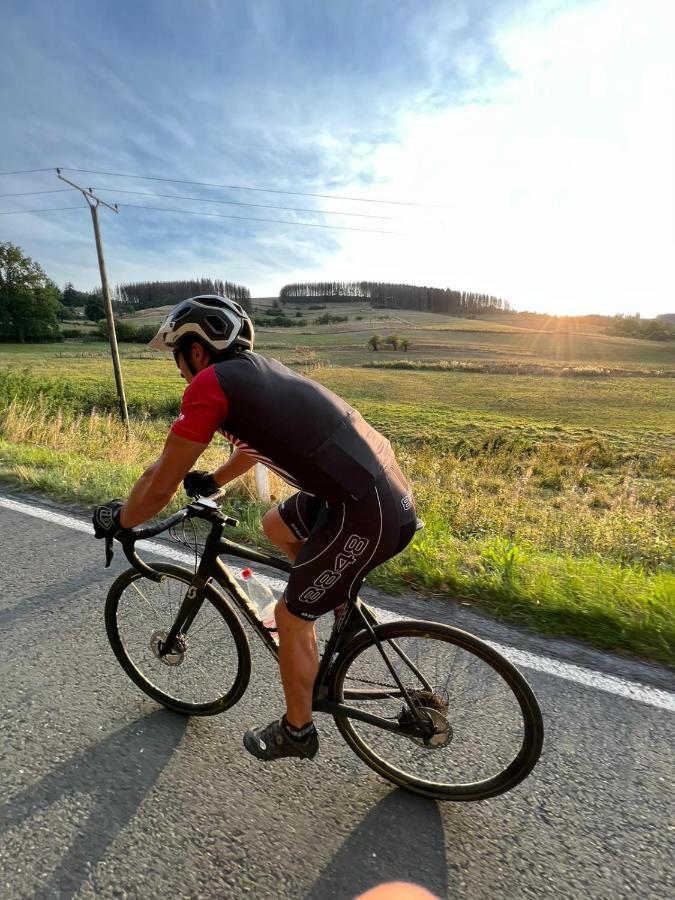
(203,409)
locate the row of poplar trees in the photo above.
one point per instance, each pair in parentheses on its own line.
(146,294)
(394,296)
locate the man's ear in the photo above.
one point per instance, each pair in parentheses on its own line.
(199,355)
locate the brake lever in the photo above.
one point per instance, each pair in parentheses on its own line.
(108,551)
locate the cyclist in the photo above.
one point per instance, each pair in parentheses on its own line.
(352,511)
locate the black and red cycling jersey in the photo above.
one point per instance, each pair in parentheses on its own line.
(305,433)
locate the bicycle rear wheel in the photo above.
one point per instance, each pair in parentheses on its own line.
(487,723)
(210,671)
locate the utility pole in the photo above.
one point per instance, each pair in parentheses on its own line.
(93,202)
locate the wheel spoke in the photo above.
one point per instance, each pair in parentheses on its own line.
(149,602)
(479,712)
(203,672)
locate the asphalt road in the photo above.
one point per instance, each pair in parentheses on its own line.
(105,794)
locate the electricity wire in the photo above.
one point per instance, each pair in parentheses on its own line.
(326,212)
(241,187)
(22,212)
(192,212)
(27,171)
(33,193)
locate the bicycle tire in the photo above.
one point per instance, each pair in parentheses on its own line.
(240,677)
(532,724)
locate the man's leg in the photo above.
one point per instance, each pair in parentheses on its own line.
(298,655)
(280,534)
(298,663)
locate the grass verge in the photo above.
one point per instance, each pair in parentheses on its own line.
(594,561)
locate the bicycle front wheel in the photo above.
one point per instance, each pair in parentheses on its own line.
(488,729)
(209,670)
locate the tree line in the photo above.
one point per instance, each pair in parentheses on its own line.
(32,305)
(147,294)
(658,329)
(29,299)
(394,296)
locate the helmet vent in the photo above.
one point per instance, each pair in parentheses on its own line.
(181,312)
(216,324)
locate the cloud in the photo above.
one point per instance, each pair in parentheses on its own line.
(545,128)
(558,183)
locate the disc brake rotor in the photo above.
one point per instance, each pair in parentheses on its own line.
(175,658)
(442,730)
(430,707)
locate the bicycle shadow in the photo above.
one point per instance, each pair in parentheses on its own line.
(117,773)
(401,839)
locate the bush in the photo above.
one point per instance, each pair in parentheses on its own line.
(75,333)
(329,319)
(66,314)
(647,329)
(93,308)
(128,333)
(278,322)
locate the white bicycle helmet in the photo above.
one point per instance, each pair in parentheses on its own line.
(221,324)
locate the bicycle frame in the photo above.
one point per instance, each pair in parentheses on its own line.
(212,568)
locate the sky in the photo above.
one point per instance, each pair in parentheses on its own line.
(520,148)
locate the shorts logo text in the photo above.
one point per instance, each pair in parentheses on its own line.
(351,551)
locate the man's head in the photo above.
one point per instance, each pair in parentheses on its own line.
(191,356)
(203,330)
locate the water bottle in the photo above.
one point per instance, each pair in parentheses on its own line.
(263,599)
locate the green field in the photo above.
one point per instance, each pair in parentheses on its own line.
(499,337)
(548,500)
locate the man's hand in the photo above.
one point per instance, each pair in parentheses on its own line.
(106,519)
(200,484)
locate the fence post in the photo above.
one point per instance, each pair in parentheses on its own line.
(262,482)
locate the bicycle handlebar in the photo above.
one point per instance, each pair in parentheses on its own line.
(150,531)
(128,538)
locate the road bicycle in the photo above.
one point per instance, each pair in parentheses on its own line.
(427,706)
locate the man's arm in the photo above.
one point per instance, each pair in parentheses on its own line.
(160,481)
(238,463)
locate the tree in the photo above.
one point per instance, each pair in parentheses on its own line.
(375,342)
(66,313)
(394,341)
(71,297)
(29,300)
(405,344)
(93,307)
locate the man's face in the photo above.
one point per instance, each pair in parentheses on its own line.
(199,359)
(185,373)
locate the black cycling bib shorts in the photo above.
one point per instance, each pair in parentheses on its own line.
(343,541)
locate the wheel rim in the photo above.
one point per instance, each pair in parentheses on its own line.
(488,745)
(198,674)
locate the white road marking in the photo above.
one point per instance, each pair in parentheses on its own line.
(611,684)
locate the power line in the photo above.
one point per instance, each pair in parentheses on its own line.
(326,212)
(27,171)
(33,193)
(191,212)
(240,187)
(21,212)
